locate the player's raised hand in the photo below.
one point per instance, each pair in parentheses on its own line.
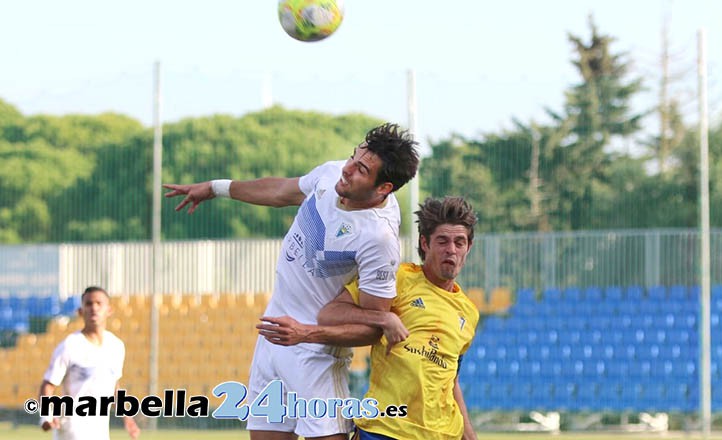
(394,330)
(283,330)
(194,194)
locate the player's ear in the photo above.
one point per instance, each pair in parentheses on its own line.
(385,188)
(424,244)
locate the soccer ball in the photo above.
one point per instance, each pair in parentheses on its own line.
(310,20)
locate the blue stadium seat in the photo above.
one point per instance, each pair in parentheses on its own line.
(6,318)
(591,336)
(648,352)
(716,291)
(630,395)
(539,352)
(678,293)
(685,321)
(534,322)
(570,337)
(572,294)
(682,336)
(606,309)
(19,302)
(677,397)
(519,396)
(622,321)
(593,294)
(650,307)
(549,336)
(613,293)
(529,369)
(542,396)
(656,336)
(635,293)
(657,293)
(564,395)
(663,320)
(587,395)
(43,305)
(683,369)
(585,309)
(552,295)
(523,309)
(593,368)
(610,396)
(526,296)
(551,369)
(653,396)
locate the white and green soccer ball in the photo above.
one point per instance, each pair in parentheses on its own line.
(310,20)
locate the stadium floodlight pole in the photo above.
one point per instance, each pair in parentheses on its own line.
(414,184)
(157,171)
(704,325)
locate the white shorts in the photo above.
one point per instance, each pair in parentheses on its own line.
(311,375)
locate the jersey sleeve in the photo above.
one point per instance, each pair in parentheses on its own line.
(58,365)
(378,261)
(308,182)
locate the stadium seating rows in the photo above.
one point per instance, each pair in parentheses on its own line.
(594,349)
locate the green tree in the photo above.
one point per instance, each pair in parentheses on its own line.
(599,108)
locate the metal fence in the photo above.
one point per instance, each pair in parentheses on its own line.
(521,260)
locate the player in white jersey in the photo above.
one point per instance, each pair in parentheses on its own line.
(347,225)
(88,362)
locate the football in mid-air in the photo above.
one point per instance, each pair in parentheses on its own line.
(310,20)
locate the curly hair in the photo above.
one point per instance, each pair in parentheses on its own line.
(397,150)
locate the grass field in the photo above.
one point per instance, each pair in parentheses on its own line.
(34,433)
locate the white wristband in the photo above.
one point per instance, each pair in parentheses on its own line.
(221,187)
(44,419)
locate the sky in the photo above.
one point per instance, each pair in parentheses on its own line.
(477,63)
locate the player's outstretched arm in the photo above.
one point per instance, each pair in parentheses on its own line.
(48,389)
(469,433)
(128,422)
(285,330)
(371,310)
(266,191)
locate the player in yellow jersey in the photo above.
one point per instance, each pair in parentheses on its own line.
(420,372)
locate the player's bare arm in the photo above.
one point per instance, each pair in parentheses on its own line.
(131,427)
(469,433)
(286,331)
(48,389)
(266,191)
(371,310)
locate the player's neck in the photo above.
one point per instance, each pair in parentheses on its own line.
(447,285)
(93,334)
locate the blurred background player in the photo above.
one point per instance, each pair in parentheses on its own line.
(347,225)
(422,372)
(88,362)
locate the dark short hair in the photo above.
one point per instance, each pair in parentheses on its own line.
(449,210)
(91,289)
(397,150)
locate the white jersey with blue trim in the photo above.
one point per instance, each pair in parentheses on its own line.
(327,246)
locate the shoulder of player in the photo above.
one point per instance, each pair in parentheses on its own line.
(468,307)
(408,276)
(112,338)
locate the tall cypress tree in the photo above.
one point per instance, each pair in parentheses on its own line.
(599,108)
